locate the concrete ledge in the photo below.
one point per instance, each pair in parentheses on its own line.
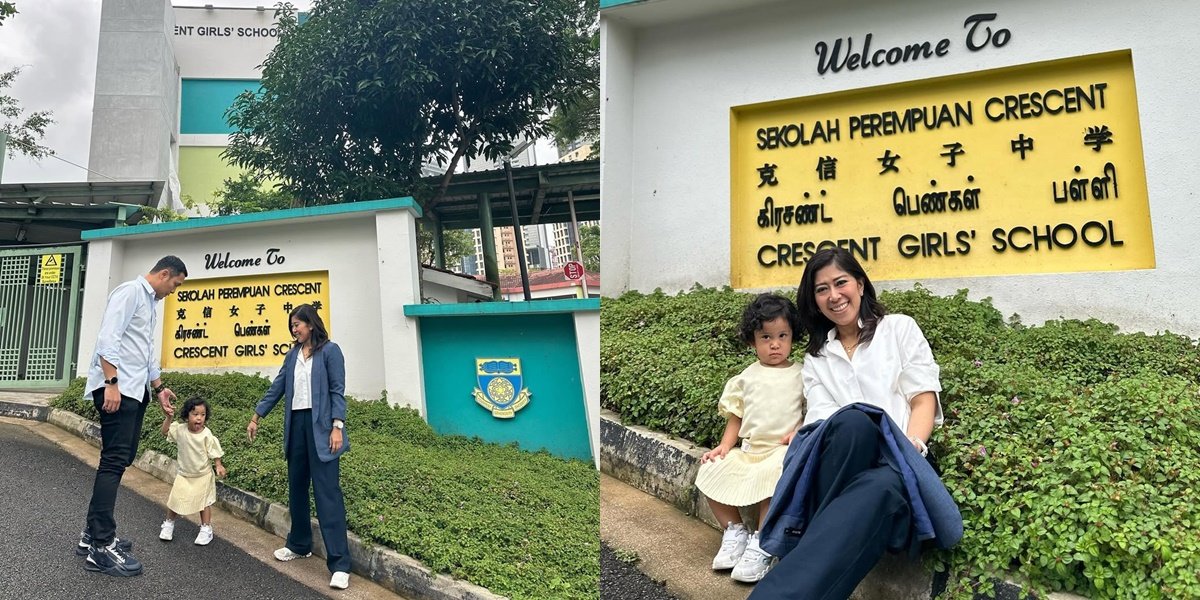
(394,571)
(28,412)
(665,467)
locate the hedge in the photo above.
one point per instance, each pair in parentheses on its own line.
(1070,447)
(522,524)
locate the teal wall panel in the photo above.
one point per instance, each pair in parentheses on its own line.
(203,102)
(554,419)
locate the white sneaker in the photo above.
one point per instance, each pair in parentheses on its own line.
(733,544)
(340,580)
(205,536)
(167,532)
(285,554)
(754,563)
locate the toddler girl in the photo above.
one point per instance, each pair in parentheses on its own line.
(764,405)
(195,489)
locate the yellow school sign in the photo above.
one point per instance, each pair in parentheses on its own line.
(1029,169)
(238,321)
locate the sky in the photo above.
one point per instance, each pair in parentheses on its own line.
(55,41)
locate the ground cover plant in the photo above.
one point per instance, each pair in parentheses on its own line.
(1070,447)
(523,524)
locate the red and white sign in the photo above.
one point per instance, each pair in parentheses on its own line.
(573,270)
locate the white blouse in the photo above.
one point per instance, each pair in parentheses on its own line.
(302,382)
(888,372)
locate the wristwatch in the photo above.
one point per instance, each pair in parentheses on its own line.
(338,424)
(111,381)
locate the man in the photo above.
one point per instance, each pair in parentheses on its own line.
(122,365)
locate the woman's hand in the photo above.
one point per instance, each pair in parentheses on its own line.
(715,454)
(787,439)
(252,429)
(335,441)
(918,444)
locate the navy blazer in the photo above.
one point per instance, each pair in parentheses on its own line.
(328,396)
(935,515)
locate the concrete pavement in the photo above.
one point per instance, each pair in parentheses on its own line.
(45,481)
(671,546)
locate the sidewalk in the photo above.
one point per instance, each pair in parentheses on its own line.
(670,545)
(29,409)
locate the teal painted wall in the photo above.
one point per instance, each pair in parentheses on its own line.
(203,102)
(554,419)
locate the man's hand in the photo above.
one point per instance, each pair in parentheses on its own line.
(714,454)
(112,399)
(335,441)
(164,400)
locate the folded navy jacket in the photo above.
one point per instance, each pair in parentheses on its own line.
(935,515)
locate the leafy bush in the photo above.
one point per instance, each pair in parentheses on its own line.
(1070,447)
(522,524)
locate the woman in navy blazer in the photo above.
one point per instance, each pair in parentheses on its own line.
(312,382)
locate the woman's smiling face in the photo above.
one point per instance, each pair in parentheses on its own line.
(838,295)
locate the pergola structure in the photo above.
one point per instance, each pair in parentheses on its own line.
(53,213)
(558,193)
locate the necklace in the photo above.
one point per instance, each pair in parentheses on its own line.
(849,349)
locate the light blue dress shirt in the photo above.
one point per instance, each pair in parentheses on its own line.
(127,340)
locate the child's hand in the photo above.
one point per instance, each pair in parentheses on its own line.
(714,454)
(787,439)
(221,471)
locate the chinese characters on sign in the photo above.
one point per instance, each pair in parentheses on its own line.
(1029,169)
(238,321)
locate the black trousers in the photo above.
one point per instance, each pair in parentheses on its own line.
(120,433)
(858,510)
(304,466)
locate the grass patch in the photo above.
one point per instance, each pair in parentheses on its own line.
(522,524)
(1070,447)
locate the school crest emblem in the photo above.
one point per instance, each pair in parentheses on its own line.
(501,389)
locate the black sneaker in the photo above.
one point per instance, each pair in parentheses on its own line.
(112,560)
(85,542)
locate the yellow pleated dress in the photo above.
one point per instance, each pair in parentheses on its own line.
(770,402)
(195,487)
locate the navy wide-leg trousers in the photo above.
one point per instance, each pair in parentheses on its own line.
(859,510)
(305,467)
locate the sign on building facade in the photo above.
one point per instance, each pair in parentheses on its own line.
(1030,169)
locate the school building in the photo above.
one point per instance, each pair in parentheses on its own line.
(1033,152)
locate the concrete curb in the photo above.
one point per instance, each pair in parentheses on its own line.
(29,412)
(665,467)
(401,574)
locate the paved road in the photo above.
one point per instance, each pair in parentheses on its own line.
(44,492)
(620,580)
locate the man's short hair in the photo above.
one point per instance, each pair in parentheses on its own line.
(172,264)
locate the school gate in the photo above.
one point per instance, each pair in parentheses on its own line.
(39,306)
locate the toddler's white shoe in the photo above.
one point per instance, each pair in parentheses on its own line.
(167,532)
(754,563)
(733,544)
(285,554)
(340,580)
(205,536)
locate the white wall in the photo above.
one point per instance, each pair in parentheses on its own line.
(223,43)
(371,272)
(668,86)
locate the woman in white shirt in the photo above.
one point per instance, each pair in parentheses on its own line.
(856,353)
(313,383)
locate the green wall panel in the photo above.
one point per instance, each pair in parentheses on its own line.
(554,419)
(202,171)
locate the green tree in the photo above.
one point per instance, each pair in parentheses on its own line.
(25,132)
(456,243)
(578,117)
(357,98)
(246,194)
(589,242)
